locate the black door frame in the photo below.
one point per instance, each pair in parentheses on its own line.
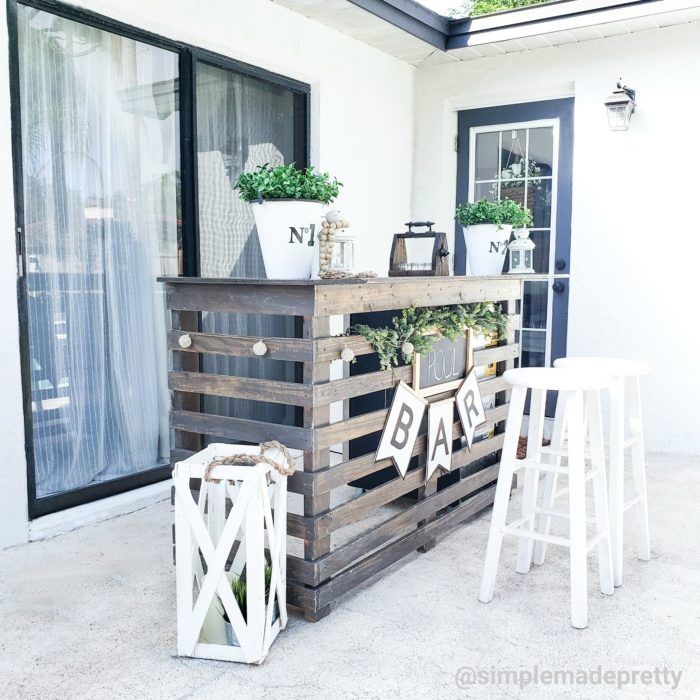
(563,110)
(188,56)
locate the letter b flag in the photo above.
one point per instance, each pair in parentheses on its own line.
(401,428)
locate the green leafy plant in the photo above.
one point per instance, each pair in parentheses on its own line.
(287,182)
(472,8)
(416,329)
(487,212)
(239,588)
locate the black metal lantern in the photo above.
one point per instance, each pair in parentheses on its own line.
(620,106)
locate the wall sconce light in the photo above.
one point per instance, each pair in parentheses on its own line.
(620,107)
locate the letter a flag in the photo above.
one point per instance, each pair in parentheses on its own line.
(401,428)
(470,406)
(440,419)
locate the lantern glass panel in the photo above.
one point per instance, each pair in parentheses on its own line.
(527,264)
(344,252)
(514,259)
(619,116)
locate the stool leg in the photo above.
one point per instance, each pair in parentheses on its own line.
(532,476)
(616,481)
(600,497)
(634,405)
(550,480)
(503,486)
(577,510)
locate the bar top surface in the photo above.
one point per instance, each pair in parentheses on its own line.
(349,280)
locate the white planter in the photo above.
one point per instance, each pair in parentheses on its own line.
(486,248)
(288,232)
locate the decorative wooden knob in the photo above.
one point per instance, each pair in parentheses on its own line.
(259,348)
(184,341)
(347,355)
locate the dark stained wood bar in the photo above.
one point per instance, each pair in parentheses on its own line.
(345,542)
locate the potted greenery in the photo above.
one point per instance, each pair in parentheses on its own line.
(239,588)
(487,227)
(287,204)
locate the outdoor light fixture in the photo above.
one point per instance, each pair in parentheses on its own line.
(620,107)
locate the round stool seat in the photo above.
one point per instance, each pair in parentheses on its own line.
(557,379)
(613,366)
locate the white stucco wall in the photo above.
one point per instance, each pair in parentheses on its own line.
(361,131)
(634,231)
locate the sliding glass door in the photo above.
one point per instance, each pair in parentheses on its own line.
(242,122)
(100,164)
(127,147)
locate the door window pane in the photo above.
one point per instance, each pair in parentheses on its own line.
(540,204)
(513,144)
(540,149)
(101,177)
(487,190)
(534,344)
(487,156)
(535,304)
(540,256)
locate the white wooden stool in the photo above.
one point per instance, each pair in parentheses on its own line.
(577,389)
(625,433)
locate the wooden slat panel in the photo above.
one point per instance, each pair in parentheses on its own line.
(241,429)
(378,561)
(328,592)
(285,300)
(373,422)
(241,387)
(369,382)
(498,354)
(356,509)
(344,556)
(353,469)
(382,295)
(291,349)
(361,384)
(330,348)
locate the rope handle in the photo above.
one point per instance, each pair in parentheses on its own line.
(251,460)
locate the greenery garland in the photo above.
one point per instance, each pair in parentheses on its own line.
(415,330)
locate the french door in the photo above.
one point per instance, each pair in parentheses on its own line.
(523,152)
(126,149)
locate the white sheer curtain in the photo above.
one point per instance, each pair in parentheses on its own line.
(100,166)
(242,122)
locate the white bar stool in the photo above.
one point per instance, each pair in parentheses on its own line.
(625,433)
(578,391)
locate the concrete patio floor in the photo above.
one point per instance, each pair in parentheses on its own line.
(91,614)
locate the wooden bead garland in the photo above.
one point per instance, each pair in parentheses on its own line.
(331,223)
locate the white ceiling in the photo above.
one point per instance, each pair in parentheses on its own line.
(497,35)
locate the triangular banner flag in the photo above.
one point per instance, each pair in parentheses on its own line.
(401,427)
(470,406)
(440,415)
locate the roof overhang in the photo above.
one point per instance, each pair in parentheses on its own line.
(413,33)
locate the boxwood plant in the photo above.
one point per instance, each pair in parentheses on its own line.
(287,182)
(487,212)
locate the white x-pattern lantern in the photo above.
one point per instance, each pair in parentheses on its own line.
(207,538)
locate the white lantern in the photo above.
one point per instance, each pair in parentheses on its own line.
(344,252)
(620,106)
(520,253)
